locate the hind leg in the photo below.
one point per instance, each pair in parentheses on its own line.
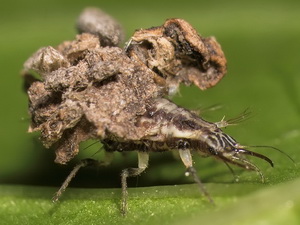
(83,163)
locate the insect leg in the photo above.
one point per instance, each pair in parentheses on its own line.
(186,158)
(83,163)
(143,158)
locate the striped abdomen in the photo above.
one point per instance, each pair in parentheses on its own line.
(170,127)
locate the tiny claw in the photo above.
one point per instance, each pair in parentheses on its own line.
(55,198)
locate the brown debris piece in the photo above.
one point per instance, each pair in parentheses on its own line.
(179,54)
(97,22)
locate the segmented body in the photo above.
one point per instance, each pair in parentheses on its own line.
(170,127)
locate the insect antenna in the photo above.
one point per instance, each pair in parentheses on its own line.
(274,148)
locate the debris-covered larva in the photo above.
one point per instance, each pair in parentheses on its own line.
(91,89)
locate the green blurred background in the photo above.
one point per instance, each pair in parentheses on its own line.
(261,40)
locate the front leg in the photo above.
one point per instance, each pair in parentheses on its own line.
(186,158)
(143,158)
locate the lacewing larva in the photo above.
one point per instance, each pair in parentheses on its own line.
(91,89)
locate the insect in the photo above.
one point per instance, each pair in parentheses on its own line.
(89,88)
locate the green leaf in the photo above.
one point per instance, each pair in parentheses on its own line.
(261,43)
(235,204)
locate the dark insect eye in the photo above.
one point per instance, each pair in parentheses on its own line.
(183,144)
